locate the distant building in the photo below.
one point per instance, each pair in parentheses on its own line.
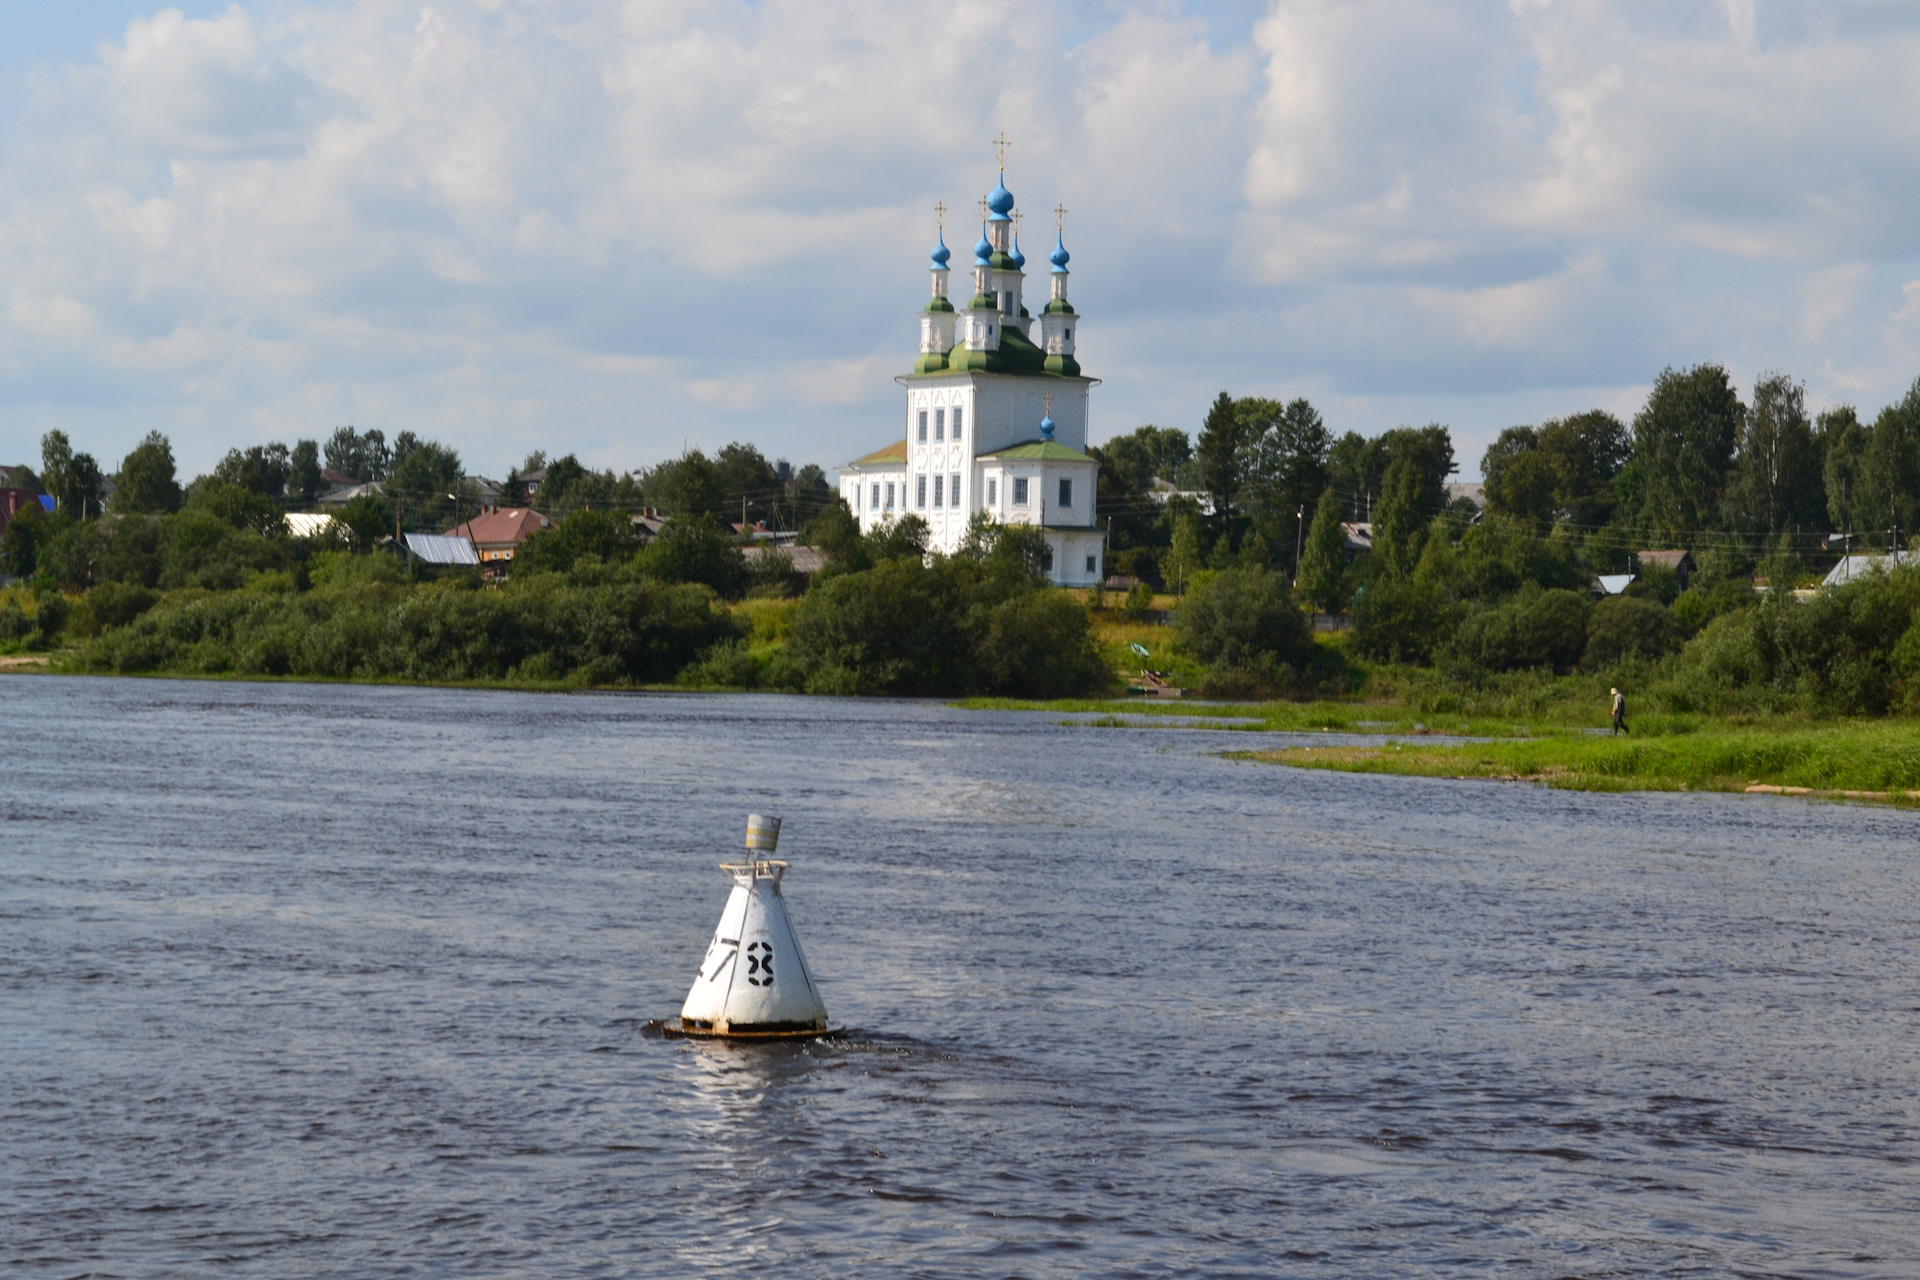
(1853,568)
(14,500)
(309,526)
(341,495)
(497,533)
(1359,537)
(1681,562)
(441,549)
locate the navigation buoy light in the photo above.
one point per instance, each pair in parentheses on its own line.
(754,983)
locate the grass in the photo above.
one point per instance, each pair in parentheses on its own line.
(1862,759)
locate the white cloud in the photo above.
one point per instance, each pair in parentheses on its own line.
(624,227)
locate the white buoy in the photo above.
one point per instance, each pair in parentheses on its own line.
(754,983)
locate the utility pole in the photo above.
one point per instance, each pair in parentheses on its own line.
(1300,534)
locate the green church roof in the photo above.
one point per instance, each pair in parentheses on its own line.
(1039,451)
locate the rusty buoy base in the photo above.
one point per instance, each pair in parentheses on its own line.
(700,1029)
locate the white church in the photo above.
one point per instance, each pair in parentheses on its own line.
(994,423)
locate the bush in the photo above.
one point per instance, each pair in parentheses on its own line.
(1533,629)
(1244,617)
(959,625)
(1398,620)
(1625,629)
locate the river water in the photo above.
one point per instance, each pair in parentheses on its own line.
(338,981)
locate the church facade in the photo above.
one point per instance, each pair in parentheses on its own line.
(995,414)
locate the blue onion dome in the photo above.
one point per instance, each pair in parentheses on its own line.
(941,253)
(1019,258)
(1046,427)
(1060,257)
(983,252)
(1000,200)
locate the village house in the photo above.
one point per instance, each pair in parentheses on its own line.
(497,533)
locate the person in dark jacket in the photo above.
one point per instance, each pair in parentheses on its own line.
(1619,712)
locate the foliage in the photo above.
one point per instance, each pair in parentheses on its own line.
(1628,629)
(423,482)
(1323,561)
(692,550)
(1533,629)
(537,629)
(1400,528)
(1245,617)
(606,534)
(360,454)
(1776,483)
(958,624)
(146,484)
(1683,449)
(1561,470)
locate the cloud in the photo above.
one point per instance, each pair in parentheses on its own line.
(620,228)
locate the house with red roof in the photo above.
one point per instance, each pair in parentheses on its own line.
(497,532)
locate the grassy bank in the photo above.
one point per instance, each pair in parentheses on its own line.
(1863,759)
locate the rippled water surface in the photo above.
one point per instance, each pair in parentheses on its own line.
(336,981)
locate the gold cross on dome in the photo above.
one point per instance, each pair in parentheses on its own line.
(1049,409)
(1016,222)
(940,215)
(1060,217)
(1000,145)
(984,211)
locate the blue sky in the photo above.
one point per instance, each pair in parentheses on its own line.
(620,229)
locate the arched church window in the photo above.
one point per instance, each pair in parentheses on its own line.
(957,412)
(923,426)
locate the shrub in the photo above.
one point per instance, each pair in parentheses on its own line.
(1242,617)
(1532,629)
(1623,629)
(1399,620)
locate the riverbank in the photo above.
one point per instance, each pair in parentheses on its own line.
(1860,760)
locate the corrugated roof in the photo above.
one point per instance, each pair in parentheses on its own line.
(895,452)
(1039,450)
(441,548)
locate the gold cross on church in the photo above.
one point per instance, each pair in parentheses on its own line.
(1000,145)
(1060,218)
(940,215)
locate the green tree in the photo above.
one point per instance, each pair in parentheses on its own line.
(607,534)
(1843,447)
(1242,617)
(1222,456)
(56,460)
(1400,525)
(424,482)
(146,482)
(1288,469)
(303,472)
(1888,493)
(1183,559)
(1323,561)
(1563,469)
(1683,447)
(360,454)
(1776,483)
(261,469)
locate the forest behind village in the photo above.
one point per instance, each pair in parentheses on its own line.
(1240,534)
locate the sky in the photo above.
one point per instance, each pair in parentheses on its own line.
(626,229)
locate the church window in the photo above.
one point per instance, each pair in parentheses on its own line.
(1069,335)
(1020,491)
(939,424)
(923,426)
(936,489)
(1006,301)
(1090,563)
(920,492)
(991,486)
(1066,493)
(953,487)
(957,413)
(876,497)
(889,495)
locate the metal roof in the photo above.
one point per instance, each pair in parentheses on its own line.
(1852,568)
(441,548)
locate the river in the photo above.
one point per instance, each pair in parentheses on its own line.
(355,981)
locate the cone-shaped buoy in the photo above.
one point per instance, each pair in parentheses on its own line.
(754,983)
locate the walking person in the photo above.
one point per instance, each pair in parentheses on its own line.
(1619,712)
